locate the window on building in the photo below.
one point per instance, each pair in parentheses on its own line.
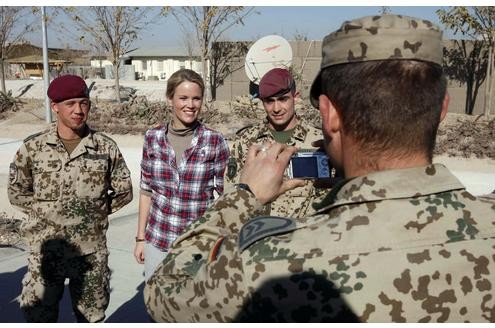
(145,64)
(160,65)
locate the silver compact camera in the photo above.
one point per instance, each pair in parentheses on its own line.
(309,165)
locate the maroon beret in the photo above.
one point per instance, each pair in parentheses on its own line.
(67,87)
(275,82)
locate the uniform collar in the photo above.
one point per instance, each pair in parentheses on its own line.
(53,138)
(299,133)
(392,184)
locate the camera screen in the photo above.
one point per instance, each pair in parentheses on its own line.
(304,167)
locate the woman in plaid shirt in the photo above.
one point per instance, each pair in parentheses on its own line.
(183,163)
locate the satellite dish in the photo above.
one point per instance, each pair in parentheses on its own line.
(269,52)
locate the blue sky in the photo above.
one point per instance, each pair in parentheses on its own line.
(312,21)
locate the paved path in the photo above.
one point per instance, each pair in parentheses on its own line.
(126,297)
(126,300)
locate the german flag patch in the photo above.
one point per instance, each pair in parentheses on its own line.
(214,251)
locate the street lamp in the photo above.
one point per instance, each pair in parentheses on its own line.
(46,67)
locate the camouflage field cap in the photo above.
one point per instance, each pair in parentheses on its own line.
(379,38)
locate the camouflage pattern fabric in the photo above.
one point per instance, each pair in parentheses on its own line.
(295,203)
(379,38)
(43,284)
(398,36)
(67,196)
(67,199)
(406,245)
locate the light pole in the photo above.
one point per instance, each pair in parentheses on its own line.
(46,67)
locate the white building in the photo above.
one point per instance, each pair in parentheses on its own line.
(153,63)
(159,63)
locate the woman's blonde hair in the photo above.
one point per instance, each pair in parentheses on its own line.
(181,76)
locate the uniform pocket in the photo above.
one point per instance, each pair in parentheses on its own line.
(93,180)
(46,179)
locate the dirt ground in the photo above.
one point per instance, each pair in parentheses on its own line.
(460,136)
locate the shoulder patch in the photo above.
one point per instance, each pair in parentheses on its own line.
(34,135)
(13,173)
(231,168)
(261,227)
(244,128)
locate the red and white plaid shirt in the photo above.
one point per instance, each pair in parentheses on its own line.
(180,194)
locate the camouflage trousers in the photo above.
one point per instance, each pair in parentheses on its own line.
(43,286)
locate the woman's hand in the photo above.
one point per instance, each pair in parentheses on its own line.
(139,252)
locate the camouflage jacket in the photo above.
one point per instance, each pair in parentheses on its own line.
(66,196)
(295,203)
(409,245)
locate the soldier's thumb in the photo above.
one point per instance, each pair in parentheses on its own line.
(291,184)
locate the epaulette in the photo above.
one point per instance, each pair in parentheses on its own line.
(244,128)
(106,137)
(261,227)
(35,135)
(100,134)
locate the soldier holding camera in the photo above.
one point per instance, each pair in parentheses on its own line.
(399,240)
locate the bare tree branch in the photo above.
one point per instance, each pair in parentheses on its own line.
(111,28)
(15,23)
(209,24)
(477,23)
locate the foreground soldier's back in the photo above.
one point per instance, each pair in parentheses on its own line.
(349,263)
(400,240)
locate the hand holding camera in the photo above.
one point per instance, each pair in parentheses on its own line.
(264,170)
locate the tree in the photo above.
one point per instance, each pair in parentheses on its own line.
(221,67)
(209,23)
(15,23)
(465,62)
(478,23)
(113,29)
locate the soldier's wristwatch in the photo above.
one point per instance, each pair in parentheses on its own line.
(244,187)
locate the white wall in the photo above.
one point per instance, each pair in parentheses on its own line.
(96,63)
(168,67)
(151,67)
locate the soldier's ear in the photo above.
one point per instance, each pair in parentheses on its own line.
(445,106)
(330,115)
(53,106)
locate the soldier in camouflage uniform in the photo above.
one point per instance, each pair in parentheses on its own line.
(399,240)
(68,179)
(277,91)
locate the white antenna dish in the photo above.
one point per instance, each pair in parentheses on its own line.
(269,52)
